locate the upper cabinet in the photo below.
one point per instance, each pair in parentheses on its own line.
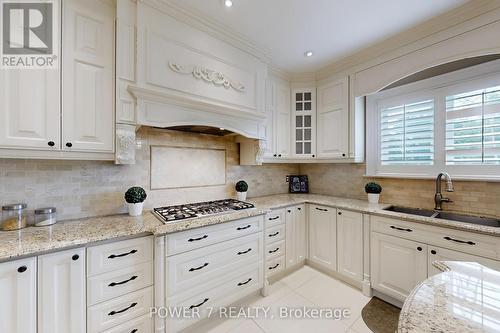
(304,122)
(65,112)
(333,119)
(87,81)
(278,119)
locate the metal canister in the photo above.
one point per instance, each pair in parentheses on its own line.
(14,217)
(45,216)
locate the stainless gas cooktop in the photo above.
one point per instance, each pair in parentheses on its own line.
(199,209)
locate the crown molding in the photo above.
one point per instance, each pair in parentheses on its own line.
(198,20)
(279,72)
(362,58)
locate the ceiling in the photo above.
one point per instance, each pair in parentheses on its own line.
(332,29)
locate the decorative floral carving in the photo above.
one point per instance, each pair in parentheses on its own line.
(207,75)
(125,145)
(259,152)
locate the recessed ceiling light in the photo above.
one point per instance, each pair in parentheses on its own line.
(308,53)
(228,3)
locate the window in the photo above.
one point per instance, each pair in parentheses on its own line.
(446,123)
(473,127)
(407,134)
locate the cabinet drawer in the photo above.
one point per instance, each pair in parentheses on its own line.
(214,294)
(275,234)
(109,285)
(275,217)
(201,237)
(275,266)
(463,241)
(106,315)
(142,324)
(189,269)
(274,250)
(109,257)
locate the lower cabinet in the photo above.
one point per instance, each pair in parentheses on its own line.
(323,236)
(441,254)
(61,292)
(397,265)
(350,244)
(296,235)
(18,296)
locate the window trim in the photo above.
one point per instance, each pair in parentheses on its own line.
(436,88)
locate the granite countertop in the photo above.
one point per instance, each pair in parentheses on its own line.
(66,234)
(464,298)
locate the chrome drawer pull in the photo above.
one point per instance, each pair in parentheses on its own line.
(273,218)
(272,251)
(400,229)
(198,268)
(197,239)
(321,209)
(275,234)
(273,267)
(244,252)
(459,241)
(243,283)
(198,305)
(112,313)
(243,228)
(122,255)
(112,284)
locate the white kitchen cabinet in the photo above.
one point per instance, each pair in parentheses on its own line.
(61,292)
(278,122)
(87,81)
(333,119)
(304,123)
(397,265)
(18,296)
(350,244)
(437,253)
(296,236)
(323,236)
(30,123)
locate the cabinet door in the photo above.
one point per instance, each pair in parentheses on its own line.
(282,120)
(290,245)
(61,292)
(30,113)
(304,123)
(301,233)
(397,265)
(441,254)
(18,296)
(333,120)
(322,236)
(350,244)
(88,112)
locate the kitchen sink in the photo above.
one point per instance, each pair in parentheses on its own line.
(480,220)
(411,211)
(486,221)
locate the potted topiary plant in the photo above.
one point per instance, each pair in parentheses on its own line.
(241,190)
(135,197)
(373,190)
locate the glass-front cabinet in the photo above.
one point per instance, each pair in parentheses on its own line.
(304,122)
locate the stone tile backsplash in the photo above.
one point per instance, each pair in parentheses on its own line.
(347,180)
(90,188)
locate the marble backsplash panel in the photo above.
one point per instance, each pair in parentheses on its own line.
(90,188)
(347,180)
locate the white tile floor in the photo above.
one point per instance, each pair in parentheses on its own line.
(305,287)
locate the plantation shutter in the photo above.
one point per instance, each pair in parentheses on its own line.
(473,127)
(407,134)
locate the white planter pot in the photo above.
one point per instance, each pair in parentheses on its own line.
(135,209)
(242,196)
(373,198)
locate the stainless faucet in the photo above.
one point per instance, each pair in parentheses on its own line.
(438,197)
